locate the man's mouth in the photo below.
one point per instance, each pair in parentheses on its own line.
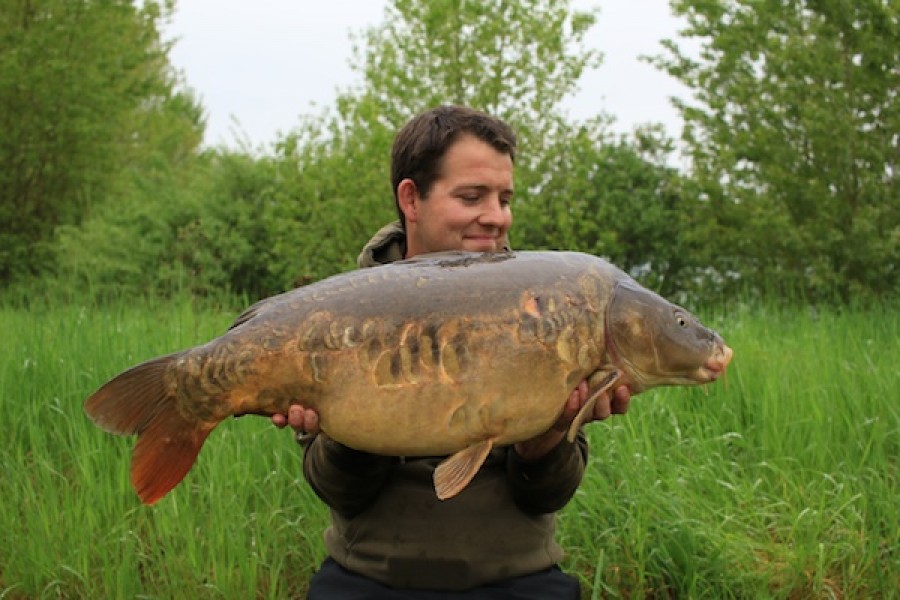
(485,242)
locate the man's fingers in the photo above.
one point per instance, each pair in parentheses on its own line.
(296,416)
(311,419)
(602,408)
(620,400)
(582,391)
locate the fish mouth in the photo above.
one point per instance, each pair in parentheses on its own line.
(716,364)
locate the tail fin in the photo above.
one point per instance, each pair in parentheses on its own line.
(138,401)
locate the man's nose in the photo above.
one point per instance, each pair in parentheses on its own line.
(493,213)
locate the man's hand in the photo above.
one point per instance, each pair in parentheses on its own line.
(300,418)
(615,404)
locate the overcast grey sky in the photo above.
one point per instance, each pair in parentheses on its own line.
(257,66)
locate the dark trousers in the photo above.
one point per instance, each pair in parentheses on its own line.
(334,582)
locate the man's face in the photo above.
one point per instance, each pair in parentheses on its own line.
(467,207)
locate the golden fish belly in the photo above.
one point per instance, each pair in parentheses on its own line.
(437,417)
(431,391)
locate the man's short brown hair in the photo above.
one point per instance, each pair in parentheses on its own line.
(420,146)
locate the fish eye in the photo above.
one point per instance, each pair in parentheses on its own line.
(682,322)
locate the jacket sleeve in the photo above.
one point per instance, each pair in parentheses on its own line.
(546,485)
(347,480)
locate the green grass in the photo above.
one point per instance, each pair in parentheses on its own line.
(780,484)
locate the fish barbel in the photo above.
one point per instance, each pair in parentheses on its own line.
(444,354)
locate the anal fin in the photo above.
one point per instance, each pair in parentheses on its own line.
(455,472)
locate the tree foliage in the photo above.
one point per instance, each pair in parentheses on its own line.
(792,133)
(517,60)
(202,230)
(335,192)
(86,95)
(794,141)
(612,196)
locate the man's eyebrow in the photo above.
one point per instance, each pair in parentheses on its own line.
(480,187)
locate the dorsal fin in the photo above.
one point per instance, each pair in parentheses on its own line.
(252,311)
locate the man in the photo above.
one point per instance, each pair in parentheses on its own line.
(390,537)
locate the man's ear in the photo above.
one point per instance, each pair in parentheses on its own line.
(408,200)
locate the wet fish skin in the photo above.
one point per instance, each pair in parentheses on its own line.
(446,354)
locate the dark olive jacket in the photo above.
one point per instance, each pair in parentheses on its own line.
(387,523)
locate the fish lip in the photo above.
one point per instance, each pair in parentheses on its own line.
(708,375)
(716,364)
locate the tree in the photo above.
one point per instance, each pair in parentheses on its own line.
(334,192)
(517,60)
(86,93)
(612,196)
(200,230)
(794,140)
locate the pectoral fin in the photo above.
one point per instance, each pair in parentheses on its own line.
(455,473)
(606,384)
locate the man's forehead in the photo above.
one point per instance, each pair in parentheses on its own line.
(475,157)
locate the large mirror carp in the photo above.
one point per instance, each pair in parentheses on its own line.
(444,354)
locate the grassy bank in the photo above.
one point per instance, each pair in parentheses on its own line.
(781,484)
